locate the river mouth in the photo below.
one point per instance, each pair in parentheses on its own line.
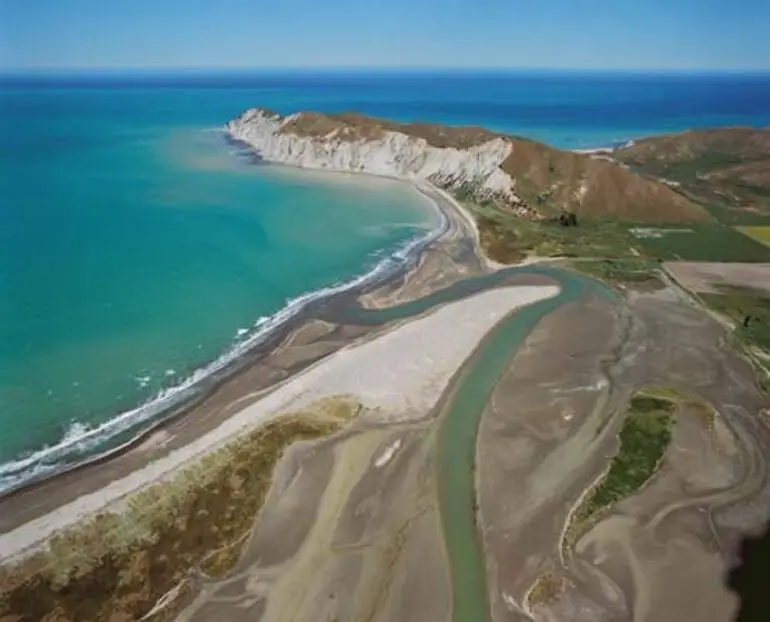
(459,423)
(138,284)
(461,414)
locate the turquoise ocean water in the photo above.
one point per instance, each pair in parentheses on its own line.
(139,249)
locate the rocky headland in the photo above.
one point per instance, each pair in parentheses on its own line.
(530,179)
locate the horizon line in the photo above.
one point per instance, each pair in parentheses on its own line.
(351,69)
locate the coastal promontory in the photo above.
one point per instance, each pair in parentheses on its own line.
(531,179)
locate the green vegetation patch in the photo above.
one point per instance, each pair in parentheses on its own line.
(633,272)
(760,234)
(507,238)
(117,565)
(748,308)
(546,589)
(673,394)
(644,437)
(702,242)
(735,216)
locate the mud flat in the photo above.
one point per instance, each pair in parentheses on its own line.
(417,517)
(712,277)
(397,376)
(71,500)
(548,438)
(418,451)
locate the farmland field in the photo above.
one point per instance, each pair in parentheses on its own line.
(703,243)
(749,309)
(703,277)
(507,238)
(761,234)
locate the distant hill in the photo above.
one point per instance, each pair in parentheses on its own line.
(729,166)
(531,179)
(553,180)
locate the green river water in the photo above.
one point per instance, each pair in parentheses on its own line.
(458,450)
(460,422)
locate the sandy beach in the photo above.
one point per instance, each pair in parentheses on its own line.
(320,467)
(398,375)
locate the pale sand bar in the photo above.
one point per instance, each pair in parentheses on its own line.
(399,375)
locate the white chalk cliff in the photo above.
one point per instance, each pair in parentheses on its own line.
(390,153)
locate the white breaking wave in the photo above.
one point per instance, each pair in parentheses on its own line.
(80,438)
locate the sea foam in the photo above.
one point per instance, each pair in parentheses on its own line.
(81,443)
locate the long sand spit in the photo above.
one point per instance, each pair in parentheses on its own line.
(398,375)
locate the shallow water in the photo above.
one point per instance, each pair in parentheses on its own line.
(136,246)
(459,427)
(134,254)
(460,417)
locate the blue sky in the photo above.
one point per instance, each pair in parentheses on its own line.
(558,34)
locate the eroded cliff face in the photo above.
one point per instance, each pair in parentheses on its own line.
(319,142)
(529,179)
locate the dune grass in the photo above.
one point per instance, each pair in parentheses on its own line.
(117,565)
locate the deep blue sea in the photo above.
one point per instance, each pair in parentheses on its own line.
(139,250)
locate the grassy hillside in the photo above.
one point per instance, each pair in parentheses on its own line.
(552,180)
(728,167)
(508,239)
(548,180)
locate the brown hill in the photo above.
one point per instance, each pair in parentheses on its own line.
(705,148)
(353,126)
(551,179)
(547,179)
(729,166)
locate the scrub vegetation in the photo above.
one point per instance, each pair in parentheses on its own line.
(644,438)
(634,272)
(645,434)
(749,309)
(547,588)
(115,567)
(508,239)
(729,167)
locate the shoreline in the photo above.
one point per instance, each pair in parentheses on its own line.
(394,397)
(174,401)
(455,223)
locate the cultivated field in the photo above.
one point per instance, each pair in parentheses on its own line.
(713,278)
(739,292)
(761,234)
(702,243)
